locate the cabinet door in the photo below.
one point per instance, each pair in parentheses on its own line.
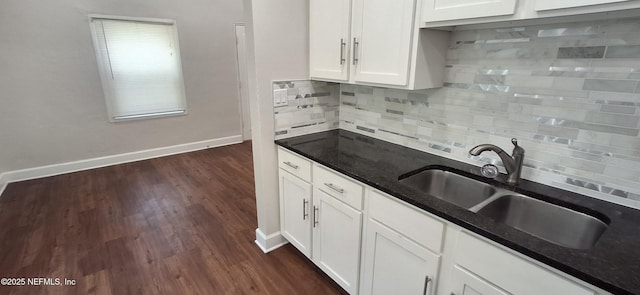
(295,206)
(336,239)
(393,264)
(559,4)
(383,32)
(443,10)
(329,25)
(508,271)
(465,283)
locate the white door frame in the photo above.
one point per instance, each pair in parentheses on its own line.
(243,83)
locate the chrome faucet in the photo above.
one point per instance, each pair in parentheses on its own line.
(513,163)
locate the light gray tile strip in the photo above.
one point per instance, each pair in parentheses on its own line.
(628,86)
(618,109)
(623,51)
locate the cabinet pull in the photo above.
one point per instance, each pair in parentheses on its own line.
(304,209)
(355,51)
(315,216)
(291,165)
(342,46)
(427,279)
(333,187)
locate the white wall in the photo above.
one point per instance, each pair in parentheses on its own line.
(278,50)
(52,108)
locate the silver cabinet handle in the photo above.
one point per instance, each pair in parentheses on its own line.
(291,165)
(342,46)
(315,216)
(333,187)
(355,51)
(304,209)
(427,279)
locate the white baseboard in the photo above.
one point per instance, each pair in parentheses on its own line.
(62,168)
(270,242)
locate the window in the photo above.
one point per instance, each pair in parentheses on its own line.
(140,69)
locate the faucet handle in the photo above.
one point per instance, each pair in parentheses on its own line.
(517,150)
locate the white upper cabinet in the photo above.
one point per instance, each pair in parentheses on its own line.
(442,10)
(560,4)
(449,13)
(374,42)
(383,33)
(329,35)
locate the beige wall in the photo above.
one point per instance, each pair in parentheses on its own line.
(52,108)
(278,50)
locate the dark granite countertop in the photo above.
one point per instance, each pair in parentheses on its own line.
(612,264)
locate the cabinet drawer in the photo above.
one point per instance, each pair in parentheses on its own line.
(294,164)
(410,222)
(510,272)
(340,187)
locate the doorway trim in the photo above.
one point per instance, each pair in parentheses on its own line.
(243,79)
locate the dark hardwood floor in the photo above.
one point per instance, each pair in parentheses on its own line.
(182,224)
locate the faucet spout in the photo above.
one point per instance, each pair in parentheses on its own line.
(507,160)
(512,163)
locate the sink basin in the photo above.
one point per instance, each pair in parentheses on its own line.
(553,223)
(451,187)
(550,222)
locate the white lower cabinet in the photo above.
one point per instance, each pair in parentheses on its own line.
(466,283)
(322,219)
(401,246)
(379,244)
(394,264)
(507,271)
(295,220)
(336,239)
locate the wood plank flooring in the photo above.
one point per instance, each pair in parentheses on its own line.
(182,224)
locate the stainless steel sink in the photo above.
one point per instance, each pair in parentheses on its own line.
(451,187)
(550,222)
(547,221)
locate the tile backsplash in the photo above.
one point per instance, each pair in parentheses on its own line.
(568,92)
(312,106)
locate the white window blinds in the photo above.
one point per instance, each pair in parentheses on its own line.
(140,67)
